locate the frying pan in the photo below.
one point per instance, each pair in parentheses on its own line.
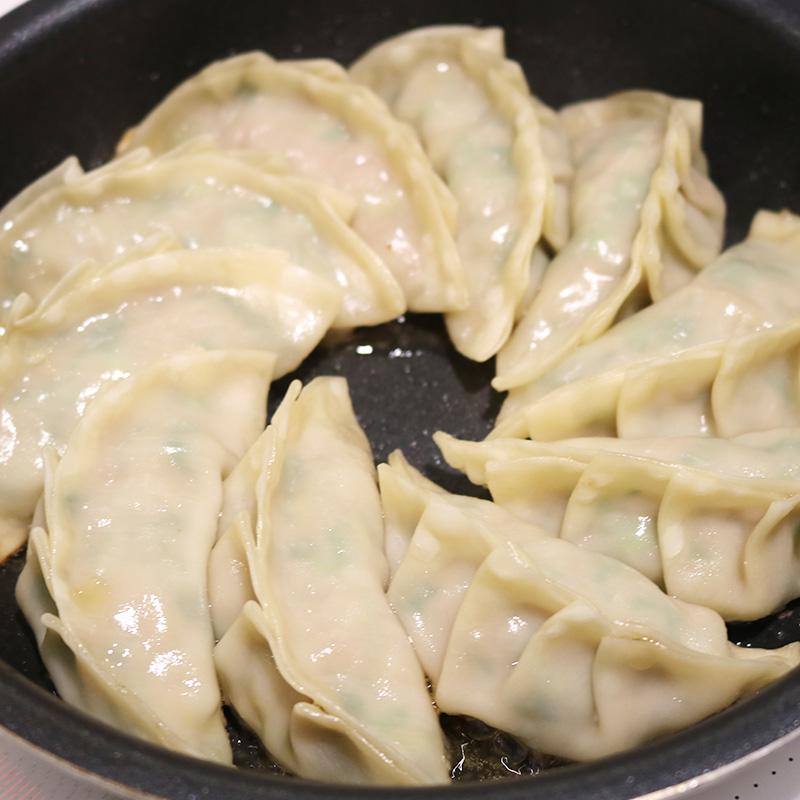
(74,74)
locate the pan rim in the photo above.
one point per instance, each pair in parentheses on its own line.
(706,751)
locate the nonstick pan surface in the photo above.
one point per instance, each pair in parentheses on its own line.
(74,74)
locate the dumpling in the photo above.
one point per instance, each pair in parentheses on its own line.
(69,169)
(559,646)
(199,197)
(405,495)
(339,133)
(115,585)
(727,388)
(644,214)
(712,520)
(540,660)
(747,384)
(659,364)
(405,492)
(105,323)
(316,662)
(491,141)
(540,261)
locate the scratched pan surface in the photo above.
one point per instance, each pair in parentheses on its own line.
(75,73)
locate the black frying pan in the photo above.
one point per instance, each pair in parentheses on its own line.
(74,74)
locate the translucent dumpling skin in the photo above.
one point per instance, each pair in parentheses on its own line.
(115,586)
(336,132)
(315,660)
(539,638)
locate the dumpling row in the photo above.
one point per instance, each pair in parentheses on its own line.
(531,230)
(176,286)
(556,644)
(713,521)
(169,524)
(467,185)
(174,520)
(670,442)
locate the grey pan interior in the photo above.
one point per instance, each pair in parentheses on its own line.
(75,73)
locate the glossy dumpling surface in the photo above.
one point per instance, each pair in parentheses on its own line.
(108,322)
(644,214)
(490,140)
(197,197)
(339,133)
(115,586)
(316,662)
(712,521)
(406,495)
(750,288)
(540,637)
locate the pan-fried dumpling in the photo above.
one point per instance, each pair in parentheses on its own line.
(490,140)
(200,198)
(115,585)
(405,494)
(339,133)
(660,364)
(230,582)
(747,384)
(561,674)
(540,261)
(562,647)
(317,663)
(643,212)
(69,169)
(102,324)
(712,520)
